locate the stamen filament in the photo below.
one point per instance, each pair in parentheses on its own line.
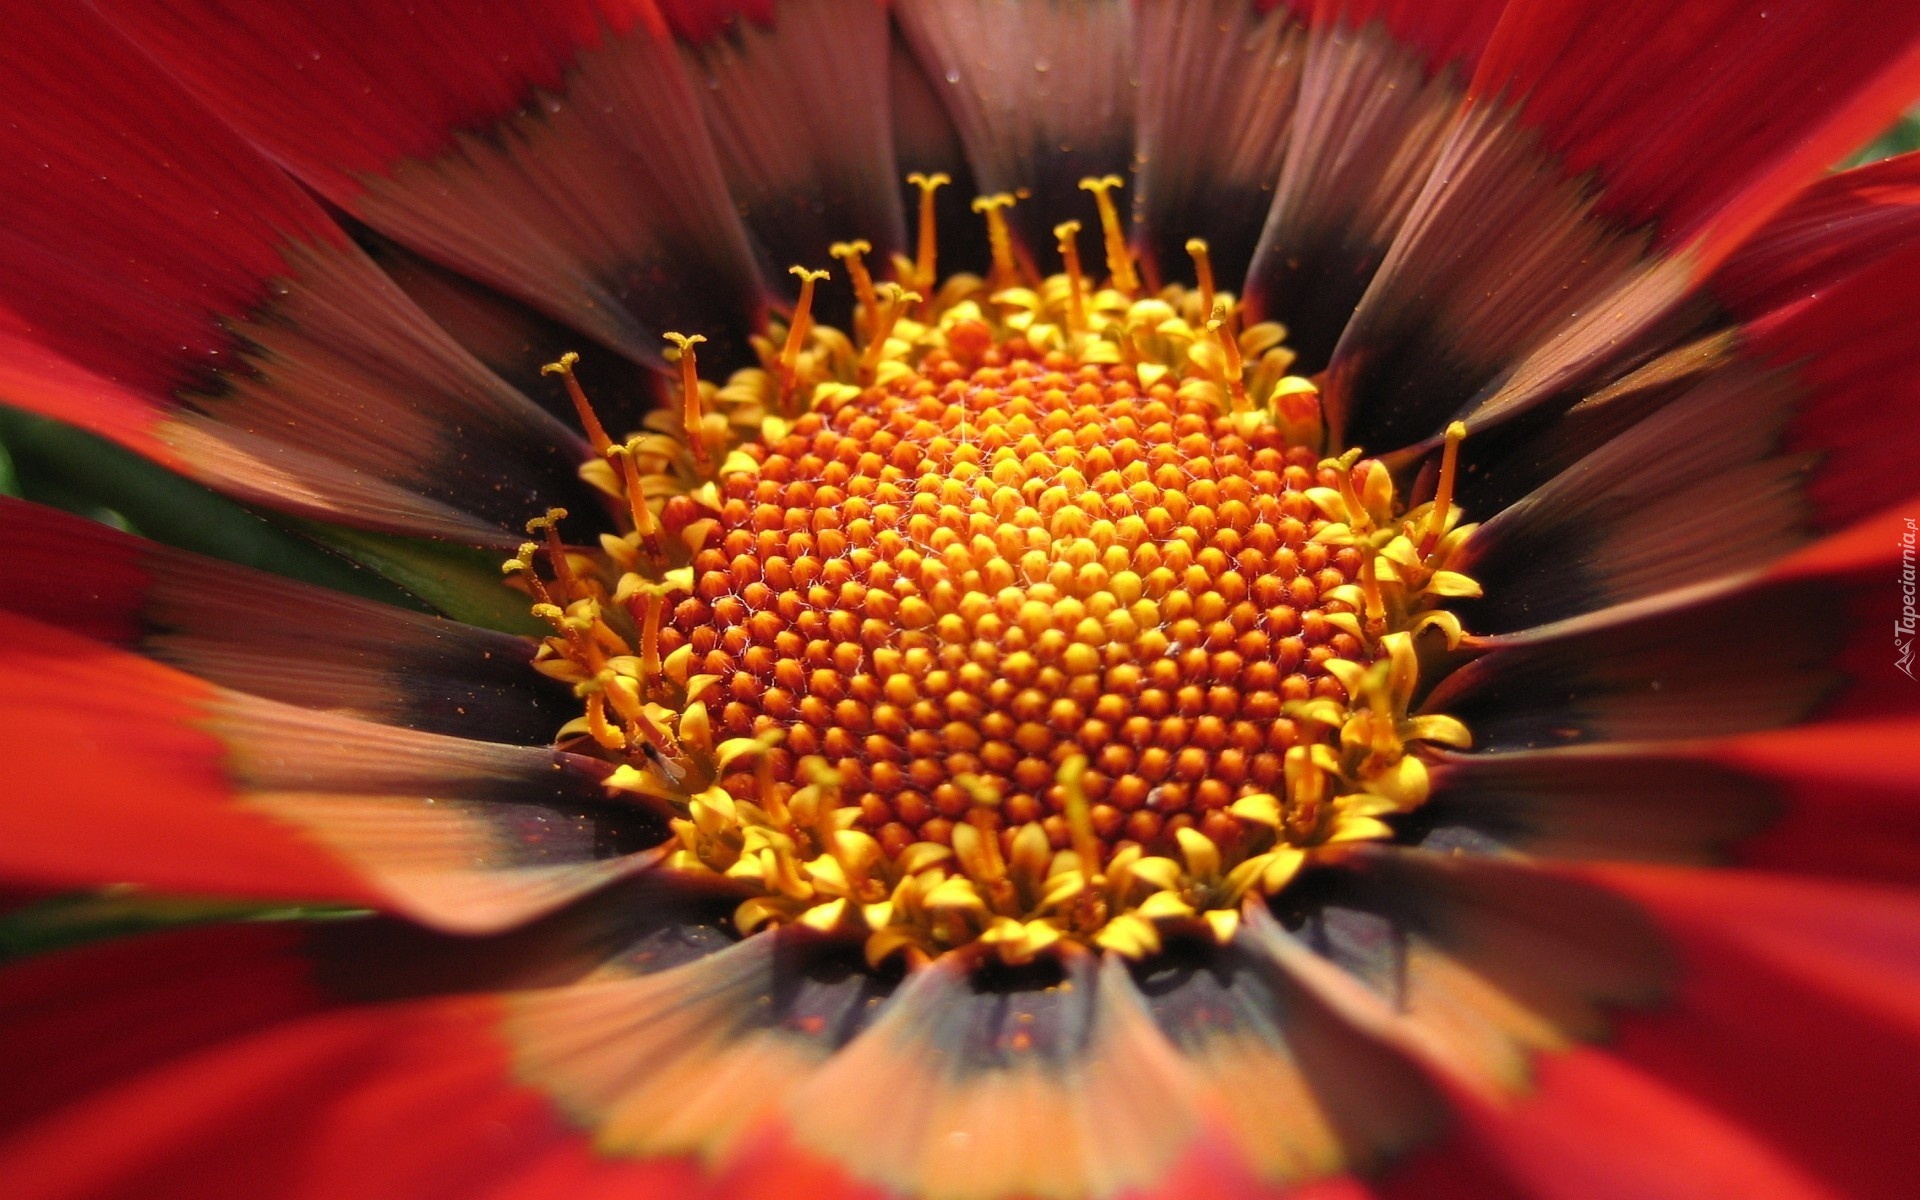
(1086,843)
(1376,611)
(563,578)
(1203,272)
(1230,350)
(898,301)
(797,334)
(645,524)
(926,255)
(999,237)
(598,726)
(1067,232)
(690,401)
(1443,492)
(1119,259)
(589,420)
(655,606)
(851,253)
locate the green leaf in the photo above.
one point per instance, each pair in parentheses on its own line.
(69,468)
(9,479)
(76,918)
(461,581)
(1902,138)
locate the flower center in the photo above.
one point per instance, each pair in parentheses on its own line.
(1031,615)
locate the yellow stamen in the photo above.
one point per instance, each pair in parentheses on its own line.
(1370,588)
(898,301)
(690,401)
(1086,843)
(999,237)
(1230,350)
(1443,493)
(797,334)
(1119,259)
(597,725)
(926,256)
(851,253)
(589,421)
(655,607)
(1203,272)
(522,565)
(644,522)
(1067,232)
(563,579)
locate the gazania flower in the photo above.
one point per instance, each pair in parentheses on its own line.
(1305,606)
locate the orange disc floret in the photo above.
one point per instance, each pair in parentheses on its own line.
(975,572)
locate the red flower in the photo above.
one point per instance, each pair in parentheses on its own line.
(1654,934)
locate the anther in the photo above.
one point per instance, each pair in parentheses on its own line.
(797,334)
(852,253)
(522,565)
(999,237)
(589,421)
(925,257)
(1202,271)
(1067,232)
(690,401)
(1119,260)
(1443,493)
(557,553)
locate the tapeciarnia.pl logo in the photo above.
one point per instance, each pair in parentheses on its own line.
(1903,625)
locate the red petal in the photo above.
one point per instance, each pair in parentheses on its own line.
(1379,86)
(553,151)
(682,1062)
(1504,959)
(1511,254)
(1597,1128)
(700,20)
(1797,1016)
(1875,542)
(273,637)
(113,781)
(1297,1092)
(1849,790)
(1216,96)
(222,1062)
(1444,34)
(1635,802)
(163,285)
(136,773)
(1851,346)
(1696,491)
(1827,234)
(400,1101)
(1015,114)
(81,1020)
(1707,125)
(799,117)
(1680,665)
(1115,1103)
